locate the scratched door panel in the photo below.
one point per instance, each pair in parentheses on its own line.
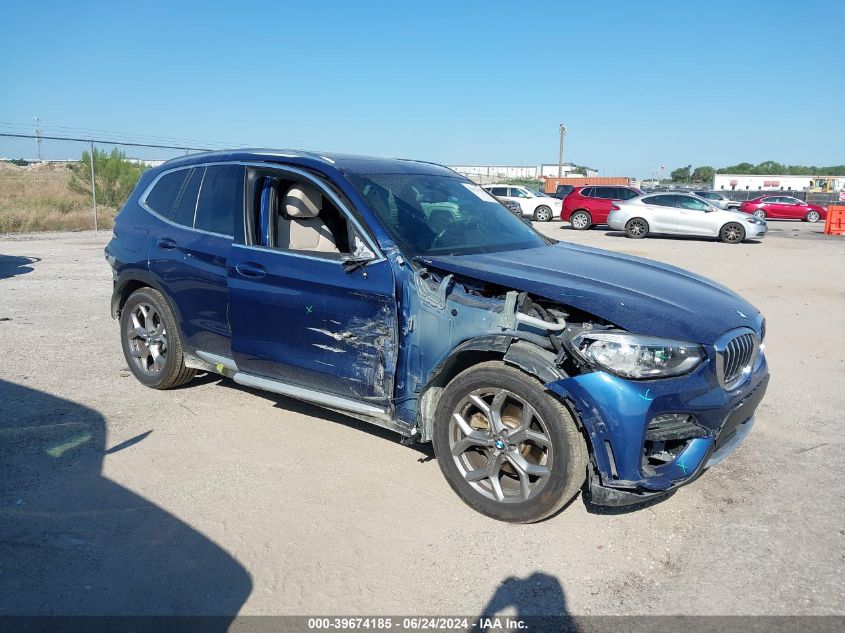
(309,322)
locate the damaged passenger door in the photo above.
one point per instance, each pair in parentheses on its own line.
(311,299)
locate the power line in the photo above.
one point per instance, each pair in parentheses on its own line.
(128,136)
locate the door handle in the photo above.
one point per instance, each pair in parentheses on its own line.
(167,243)
(251,270)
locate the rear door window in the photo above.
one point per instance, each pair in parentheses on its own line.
(661,201)
(499,191)
(587,192)
(221,199)
(608,193)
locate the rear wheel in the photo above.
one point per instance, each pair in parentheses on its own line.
(580,220)
(509,449)
(542,214)
(636,228)
(812,216)
(759,213)
(152,344)
(732,233)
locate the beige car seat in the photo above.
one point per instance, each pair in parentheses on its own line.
(304,230)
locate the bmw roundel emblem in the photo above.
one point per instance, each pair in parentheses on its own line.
(741,314)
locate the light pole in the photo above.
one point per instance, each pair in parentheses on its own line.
(560,155)
(36,120)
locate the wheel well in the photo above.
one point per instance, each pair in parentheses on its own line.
(430,396)
(119,299)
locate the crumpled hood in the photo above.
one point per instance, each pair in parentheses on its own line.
(639,295)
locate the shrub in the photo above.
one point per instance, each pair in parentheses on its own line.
(115,176)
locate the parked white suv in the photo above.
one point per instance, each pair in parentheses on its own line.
(536,205)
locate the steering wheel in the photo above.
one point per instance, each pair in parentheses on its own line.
(454,234)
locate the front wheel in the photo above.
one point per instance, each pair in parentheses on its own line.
(732,233)
(542,214)
(759,213)
(152,344)
(509,449)
(636,228)
(812,216)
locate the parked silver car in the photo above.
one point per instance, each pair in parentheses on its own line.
(717,199)
(682,214)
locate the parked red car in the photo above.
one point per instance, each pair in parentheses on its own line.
(783,208)
(587,206)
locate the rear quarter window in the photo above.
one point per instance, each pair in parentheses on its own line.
(166,193)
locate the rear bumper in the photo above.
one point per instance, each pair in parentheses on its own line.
(615,414)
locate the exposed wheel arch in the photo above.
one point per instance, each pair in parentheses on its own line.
(522,354)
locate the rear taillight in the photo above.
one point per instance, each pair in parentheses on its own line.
(615,207)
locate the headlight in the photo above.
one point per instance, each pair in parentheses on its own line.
(635,356)
(753,220)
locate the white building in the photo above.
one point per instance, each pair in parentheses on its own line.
(549,170)
(750,182)
(496,172)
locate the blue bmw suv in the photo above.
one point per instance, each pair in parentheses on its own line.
(403,294)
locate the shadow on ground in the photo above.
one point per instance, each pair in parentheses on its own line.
(538,599)
(13,265)
(75,543)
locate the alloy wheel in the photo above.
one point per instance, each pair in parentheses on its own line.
(759,213)
(147,338)
(813,216)
(733,234)
(579,221)
(636,228)
(544,214)
(500,445)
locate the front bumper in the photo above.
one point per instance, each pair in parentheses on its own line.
(756,231)
(615,413)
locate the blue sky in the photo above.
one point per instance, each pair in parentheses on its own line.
(637,83)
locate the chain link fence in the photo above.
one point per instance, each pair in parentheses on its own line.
(46,181)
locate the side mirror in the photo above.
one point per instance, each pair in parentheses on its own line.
(361,255)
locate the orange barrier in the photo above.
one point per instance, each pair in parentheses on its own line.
(835,222)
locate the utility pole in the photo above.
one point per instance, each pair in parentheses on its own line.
(36,120)
(560,155)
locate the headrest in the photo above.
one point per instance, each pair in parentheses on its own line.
(303,201)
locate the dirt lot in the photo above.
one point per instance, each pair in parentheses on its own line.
(216,499)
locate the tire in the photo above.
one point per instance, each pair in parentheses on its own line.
(760,213)
(580,221)
(152,343)
(732,233)
(542,213)
(555,454)
(636,228)
(812,216)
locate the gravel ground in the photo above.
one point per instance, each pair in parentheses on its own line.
(213,498)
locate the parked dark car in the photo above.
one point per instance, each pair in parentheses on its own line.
(779,207)
(401,293)
(585,207)
(561,191)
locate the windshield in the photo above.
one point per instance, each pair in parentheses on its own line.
(443,215)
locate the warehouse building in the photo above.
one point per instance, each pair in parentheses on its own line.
(752,182)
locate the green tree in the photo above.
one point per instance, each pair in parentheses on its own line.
(703,174)
(115,176)
(681,174)
(741,168)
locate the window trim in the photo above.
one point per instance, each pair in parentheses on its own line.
(364,233)
(142,200)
